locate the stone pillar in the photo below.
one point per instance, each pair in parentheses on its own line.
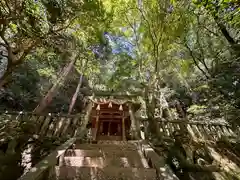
(109,127)
(164,172)
(96,127)
(123,129)
(135,128)
(85,120)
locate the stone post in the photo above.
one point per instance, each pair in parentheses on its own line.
(123,129)
(135,128)
(86,119)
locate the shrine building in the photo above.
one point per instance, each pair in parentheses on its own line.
(111,119)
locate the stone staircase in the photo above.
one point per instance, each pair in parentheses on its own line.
(106,160)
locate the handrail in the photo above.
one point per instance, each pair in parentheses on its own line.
(35,114)
(158,163)
(50,125)
(188,122)
(44,123)
(37,171)
(117,94)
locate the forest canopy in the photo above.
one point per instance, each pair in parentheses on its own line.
(187,51)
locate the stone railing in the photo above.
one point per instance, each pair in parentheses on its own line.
(45,168)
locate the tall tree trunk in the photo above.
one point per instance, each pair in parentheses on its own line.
(51,93)
(82,129)
(74,98)
(150,109)
(224,31)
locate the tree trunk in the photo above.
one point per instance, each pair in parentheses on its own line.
(4,78)
(224,31)
(74,98)
(150,109)
(51,93)
(153,124)
(82,129)
(14,60)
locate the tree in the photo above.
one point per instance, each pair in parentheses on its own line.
(26,25)
(224,14)
(48,98)
(172,45)
(149,25)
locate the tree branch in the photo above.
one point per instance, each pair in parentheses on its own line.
(195,62)
(202,59)
(8,47)
(25,53)
(3,7)
(150,32)
(137,44)
(65,27)
(2,35)
(220,25)
(225,32)
(6,3)
(214,33)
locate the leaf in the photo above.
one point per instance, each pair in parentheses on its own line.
(13,27)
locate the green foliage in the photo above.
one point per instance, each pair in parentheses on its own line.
(61,26)
(175,45)
(196,109)
(18,137)
(168,50)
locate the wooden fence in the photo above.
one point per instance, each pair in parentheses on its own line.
(204,131)
(58,125)
(20,128)
(45,168)
(49,125)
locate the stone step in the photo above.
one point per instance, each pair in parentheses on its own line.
(83,153)
(109,173)
(122,153)
(102,162)
(106,147)
(102,152)
(116,142)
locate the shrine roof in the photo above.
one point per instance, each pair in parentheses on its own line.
(117,101)
(101,100)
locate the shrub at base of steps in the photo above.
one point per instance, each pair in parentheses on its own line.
(10,166)
(42,147)
(25,154)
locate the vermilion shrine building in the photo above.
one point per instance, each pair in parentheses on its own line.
(112,119)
